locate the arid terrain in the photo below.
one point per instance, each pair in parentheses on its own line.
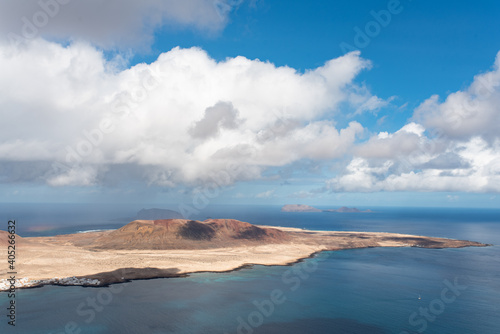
(173,247)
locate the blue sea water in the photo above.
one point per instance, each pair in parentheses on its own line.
(376,290)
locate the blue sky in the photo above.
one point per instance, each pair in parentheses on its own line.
(450,43)
(264,88)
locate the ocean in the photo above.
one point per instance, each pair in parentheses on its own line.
(376,290)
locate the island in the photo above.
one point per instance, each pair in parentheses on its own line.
(299,208)
(176,247)
(152,214)
(308,208)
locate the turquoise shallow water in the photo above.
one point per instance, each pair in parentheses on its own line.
(361,291)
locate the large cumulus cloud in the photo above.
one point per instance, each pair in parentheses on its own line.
(77,120)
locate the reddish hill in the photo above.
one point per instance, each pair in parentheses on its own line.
(187,234)
(4,238)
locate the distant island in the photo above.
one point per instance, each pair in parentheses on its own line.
(175,247)
(308,208)
(299,208)
(152,214)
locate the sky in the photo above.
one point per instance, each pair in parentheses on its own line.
(199,102)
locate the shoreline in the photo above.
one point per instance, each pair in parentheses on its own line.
(42,262)
(187,274)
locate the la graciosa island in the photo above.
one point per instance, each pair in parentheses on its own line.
(175,247)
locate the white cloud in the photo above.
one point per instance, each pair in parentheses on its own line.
(69,105)
(468,113)
(412,128)
(266,194)
(302,194)
(455,146)
(383,165)
(69,117)
(403,142)
(366,103)
(109,23)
